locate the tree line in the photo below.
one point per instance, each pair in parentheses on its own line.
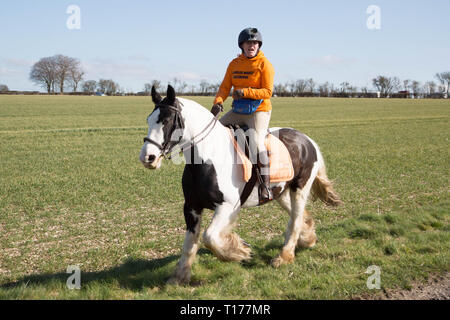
(59,72)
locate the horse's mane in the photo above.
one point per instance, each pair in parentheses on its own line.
(188,103)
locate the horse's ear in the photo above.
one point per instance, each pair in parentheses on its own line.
(170,95)
(155,96)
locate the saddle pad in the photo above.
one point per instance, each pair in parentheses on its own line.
(281,168)
(243,159)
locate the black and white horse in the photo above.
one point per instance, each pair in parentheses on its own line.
(215,181)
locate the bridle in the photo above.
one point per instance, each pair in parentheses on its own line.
(167,148)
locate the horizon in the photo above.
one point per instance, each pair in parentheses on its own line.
(136,42)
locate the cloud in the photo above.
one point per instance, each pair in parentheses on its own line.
(7,72)
(332,60)
(13,67)
(15,62)
(187,76)
(105,68)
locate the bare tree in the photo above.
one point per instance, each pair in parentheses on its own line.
(89,86)
(444,79)
(345,87)
(415,88)
(324,89)
(204,87)
(183,87)
(300,86)
(147,88)
(44,73)
(310,84)
(57,71)
(429,88)
(385,85)
(156,84)
(109,87)
(64,67)
(280,89)
(406,84)
(76,76)
(3,88)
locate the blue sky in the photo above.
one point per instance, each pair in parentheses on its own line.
(134,42)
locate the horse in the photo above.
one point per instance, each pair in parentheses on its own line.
(215,181)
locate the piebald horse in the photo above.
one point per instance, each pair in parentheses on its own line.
(215,181)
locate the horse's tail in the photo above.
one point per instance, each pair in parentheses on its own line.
(322,187)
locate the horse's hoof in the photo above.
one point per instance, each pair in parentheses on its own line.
(277,262)
(281,260)
(177,281)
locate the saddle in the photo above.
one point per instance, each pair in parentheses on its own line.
(280,162)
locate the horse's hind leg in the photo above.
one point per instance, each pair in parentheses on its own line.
(220,239)
(298,198)
(182,272)
(307,238)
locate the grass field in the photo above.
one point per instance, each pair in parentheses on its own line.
(73,192)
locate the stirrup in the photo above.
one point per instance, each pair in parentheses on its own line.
(268,195)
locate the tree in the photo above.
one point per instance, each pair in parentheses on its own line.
(44,73)
(76,76)
(108,87)
(406,84)
(310,84)
(415,88)
(65,66)
(147,88)
(386,85)
(156,84)
(204,87)
(182,87)
(324,89)
(89,86)
(3,88)
(300,86)
(57,71)
(280,89)
(444,79)
(430,87)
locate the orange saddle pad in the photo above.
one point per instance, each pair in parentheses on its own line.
(281,168)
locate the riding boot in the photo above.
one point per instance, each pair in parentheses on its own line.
(265,193)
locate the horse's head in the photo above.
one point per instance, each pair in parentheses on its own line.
(165,129)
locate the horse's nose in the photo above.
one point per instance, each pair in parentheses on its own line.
(151,158)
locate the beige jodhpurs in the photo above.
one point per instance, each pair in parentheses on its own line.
(258,122)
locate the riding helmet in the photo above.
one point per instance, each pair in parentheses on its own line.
(250,34)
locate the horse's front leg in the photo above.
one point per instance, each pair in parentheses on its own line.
(193,218)
(220,239)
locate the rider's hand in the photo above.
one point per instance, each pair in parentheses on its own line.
(216,109)
(238,94)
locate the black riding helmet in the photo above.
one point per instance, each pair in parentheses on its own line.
(250,34)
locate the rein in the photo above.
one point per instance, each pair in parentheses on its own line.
(167,151)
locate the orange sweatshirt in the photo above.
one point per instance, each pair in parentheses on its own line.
(254,76)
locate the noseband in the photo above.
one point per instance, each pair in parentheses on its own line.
(167,149)
(177,123)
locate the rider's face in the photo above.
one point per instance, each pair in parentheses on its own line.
(250,48)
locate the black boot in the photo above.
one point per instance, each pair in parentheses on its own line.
(265,193)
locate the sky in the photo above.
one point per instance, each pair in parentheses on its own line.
(135,42)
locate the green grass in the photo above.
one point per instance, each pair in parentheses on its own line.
(73,192)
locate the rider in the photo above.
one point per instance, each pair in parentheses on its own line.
(251,76)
